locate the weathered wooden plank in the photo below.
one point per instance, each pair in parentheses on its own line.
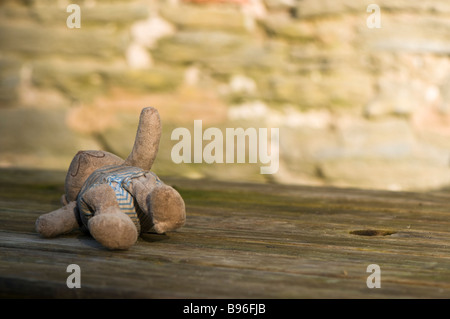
(240,241)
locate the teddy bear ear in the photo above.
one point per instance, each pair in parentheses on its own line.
(147,140)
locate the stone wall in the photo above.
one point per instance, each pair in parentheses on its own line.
(356,106)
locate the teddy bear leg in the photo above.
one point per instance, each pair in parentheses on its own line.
(167,209)
(109,226)
(60,221)
(147,140)
(82,165)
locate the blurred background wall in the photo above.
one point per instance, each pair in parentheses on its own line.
(356,106)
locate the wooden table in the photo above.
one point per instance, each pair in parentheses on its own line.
(239,241)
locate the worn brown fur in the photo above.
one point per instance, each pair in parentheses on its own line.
(108,225)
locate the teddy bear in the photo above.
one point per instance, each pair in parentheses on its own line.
(116,200)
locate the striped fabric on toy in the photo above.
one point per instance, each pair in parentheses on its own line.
(119,178)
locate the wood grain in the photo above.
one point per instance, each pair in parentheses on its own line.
(240,241)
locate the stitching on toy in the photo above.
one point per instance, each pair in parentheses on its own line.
(78,167)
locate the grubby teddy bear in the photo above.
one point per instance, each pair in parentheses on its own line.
(116,200)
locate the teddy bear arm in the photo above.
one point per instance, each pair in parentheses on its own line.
(60,221)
